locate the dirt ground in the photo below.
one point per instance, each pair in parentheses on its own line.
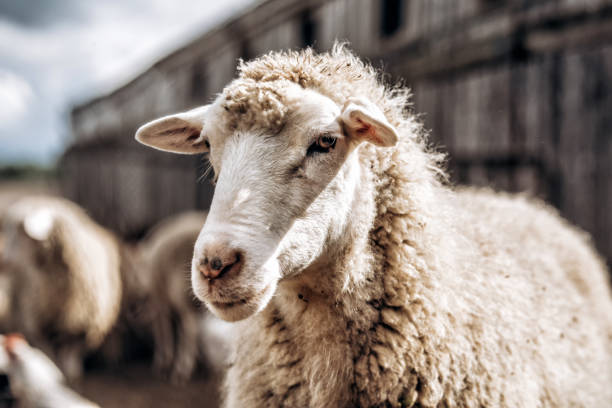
(136,387)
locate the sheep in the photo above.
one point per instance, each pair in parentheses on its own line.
(215,336)
(158,304)
(130,336)
(65,279)
(166,254)
(358,276)
(5,287)
(34,380)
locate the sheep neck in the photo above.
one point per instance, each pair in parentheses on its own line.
(392,208)
(342,302)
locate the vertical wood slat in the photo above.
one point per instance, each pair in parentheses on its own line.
(576,142)
(493,121)
(604,158)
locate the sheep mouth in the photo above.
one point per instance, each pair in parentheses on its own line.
(229,305)
(245,301)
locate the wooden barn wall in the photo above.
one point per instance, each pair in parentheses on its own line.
(519,92)
(543,126)
(129,190)
(585,141)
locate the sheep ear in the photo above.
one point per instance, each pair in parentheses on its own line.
(178,133)
(364,121)
(39,224)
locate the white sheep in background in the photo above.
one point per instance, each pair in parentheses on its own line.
(35,381)
(215,341)
(132,329)
(175,313)
(5,287)
(361,278)
(65,280)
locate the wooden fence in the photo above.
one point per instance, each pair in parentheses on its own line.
(518,92)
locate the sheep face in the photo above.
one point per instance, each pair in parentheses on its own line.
(282,198)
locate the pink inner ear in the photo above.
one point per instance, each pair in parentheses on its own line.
(368,131)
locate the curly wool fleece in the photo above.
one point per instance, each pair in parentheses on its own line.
(441,297)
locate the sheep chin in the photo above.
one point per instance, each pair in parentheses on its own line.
(244,308)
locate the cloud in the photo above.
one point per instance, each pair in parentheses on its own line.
(37,13)
(15,94)
(69,51)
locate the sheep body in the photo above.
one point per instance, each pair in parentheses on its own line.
(216,337)
(544,328)
(439,298)
(65,280)
(175,313)
(5,286)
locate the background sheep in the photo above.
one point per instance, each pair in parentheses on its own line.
(175,315)
(5,286)
(35,381)
(130,338)
(365,280)
(64,272)
(215,340)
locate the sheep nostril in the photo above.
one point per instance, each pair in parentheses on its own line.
(216,264)
(229,266)
(219,265)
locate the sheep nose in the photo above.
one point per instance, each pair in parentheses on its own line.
(218,262)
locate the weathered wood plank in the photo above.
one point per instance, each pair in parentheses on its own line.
(576,139)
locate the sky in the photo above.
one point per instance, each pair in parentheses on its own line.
(58,53)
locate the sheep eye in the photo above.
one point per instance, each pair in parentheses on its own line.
(324,144)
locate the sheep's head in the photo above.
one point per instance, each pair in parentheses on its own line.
(28,234)
(284,187)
